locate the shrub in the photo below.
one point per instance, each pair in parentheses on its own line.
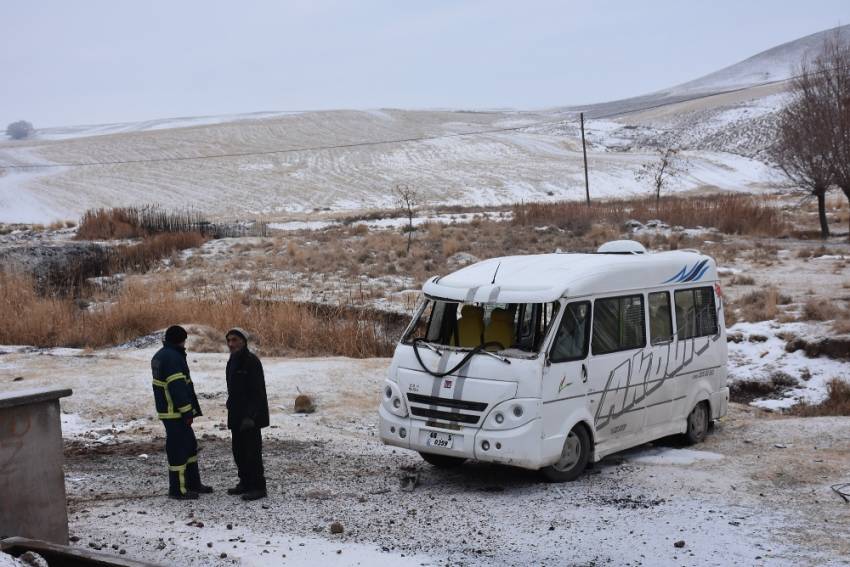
(760,305)
(19,130)
(817,310)
(731,214)
(282,327)
(837,402)
(138,222)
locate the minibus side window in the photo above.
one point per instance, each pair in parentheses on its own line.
(660,321)
(696,315)
(571,339)
(618,324)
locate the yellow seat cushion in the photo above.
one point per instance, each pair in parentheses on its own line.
(470,326)
(500,329)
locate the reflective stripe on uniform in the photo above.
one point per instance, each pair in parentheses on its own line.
(170,413)
(192,459)
(181,476)
(184,409)
(175,376)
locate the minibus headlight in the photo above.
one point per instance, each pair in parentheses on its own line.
(512,413)
(393,401)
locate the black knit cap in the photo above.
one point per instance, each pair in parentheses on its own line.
(239,333)
(175,334)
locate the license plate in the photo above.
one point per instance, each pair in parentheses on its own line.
(441,440)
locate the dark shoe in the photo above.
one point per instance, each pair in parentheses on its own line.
(255,494)
(203,489)
(190,495)
(238,489)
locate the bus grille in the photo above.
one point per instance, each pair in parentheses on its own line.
(451,416)
(448,416)
(446,402)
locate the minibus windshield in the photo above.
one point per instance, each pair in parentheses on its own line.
(497,326)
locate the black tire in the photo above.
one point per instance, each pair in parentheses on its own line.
(698,422)
(442,461)
(574,457)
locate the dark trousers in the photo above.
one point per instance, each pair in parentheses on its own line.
(248,454)
(182,450)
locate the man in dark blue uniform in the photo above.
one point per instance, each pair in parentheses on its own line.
(177,405)
(247,414)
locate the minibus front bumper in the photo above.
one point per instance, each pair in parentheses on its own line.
(519,446)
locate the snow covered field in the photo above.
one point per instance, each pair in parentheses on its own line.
(756,493)
(286,164)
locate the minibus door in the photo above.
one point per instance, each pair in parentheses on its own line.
(565,378)
(616,387)
(660,388)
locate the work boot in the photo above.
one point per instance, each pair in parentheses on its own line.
(254,494)
(190,495)
(238,489)
(203,489)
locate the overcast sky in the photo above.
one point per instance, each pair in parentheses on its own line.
(80,62)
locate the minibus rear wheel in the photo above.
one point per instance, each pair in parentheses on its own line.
(698,421)
(442,461)
(574,457)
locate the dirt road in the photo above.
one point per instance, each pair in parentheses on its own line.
(755,493)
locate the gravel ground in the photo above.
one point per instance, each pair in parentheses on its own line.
(760,504)
(757,492)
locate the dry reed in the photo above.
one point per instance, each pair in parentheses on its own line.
(730,214)
(140,309)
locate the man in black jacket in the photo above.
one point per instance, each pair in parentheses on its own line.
(177,406)
(247,413)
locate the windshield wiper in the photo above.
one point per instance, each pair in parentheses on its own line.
(431,347)
(496,356)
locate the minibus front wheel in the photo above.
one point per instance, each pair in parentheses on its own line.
(442,461)
(574,457)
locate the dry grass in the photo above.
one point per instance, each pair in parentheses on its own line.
(146,254)
(760,305)
(730,214)
(817,310)
(138,222)
(282,327)
(837,402)
(745,391)
(742,280)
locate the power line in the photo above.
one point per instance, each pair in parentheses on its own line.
(380,142)
(283,151)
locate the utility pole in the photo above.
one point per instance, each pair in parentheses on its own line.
(584,152)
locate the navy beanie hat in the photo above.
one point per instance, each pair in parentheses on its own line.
(175,334)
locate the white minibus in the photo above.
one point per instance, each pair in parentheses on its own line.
(551,361)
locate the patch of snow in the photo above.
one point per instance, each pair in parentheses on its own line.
(670,456)
(760,360)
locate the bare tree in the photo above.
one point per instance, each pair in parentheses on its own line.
(19,130)
(407,199)
(659,173)
(832,66)
(803,148)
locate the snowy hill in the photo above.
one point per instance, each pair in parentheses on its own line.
(289,165)
(775,64)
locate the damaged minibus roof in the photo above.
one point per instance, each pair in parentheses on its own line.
(547,277)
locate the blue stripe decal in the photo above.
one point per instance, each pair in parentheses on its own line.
(701,273)
(677,276)
(690,275)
